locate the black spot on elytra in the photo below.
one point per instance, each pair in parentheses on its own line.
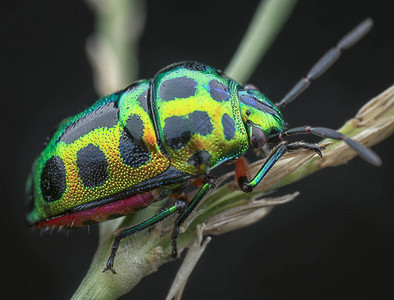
(53,179)
(134,153)
(199,158)
(228,127)
(92,166)
(201,122)
(177,132)
(143,100)
(135,127)
(104,116)
(182,87)
(218,91)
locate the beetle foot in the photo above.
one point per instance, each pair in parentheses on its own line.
(243,183)
(174,252)
(301,145)
(110,265)
(109,268)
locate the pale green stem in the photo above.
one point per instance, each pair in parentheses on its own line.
(113,48)
(267,22)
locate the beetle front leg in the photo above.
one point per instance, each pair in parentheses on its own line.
(308,146)
(248,186)
(209,184)
(364,152)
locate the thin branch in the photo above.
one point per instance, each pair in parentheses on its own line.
(267,22)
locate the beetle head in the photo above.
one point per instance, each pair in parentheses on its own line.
(260,116)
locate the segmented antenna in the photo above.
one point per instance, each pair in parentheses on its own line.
(327,60)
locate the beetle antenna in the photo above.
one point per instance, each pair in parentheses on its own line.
(327,60)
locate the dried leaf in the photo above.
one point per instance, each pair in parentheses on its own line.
(189,262)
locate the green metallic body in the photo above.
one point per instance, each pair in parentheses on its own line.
(155,135)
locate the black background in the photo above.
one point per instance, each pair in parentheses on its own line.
(335,241)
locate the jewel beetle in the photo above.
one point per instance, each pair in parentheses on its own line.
(153,138)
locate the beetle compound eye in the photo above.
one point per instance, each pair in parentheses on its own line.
(248,112)
(258,137)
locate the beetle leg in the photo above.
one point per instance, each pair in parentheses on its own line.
(248,186)
(170,202)
(364,152)
(198,182)
(308,146)
(178,206)
(209,183)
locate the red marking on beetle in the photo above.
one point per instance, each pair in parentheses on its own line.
(241,168)
(101,213)
(198,182)
(308,129)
